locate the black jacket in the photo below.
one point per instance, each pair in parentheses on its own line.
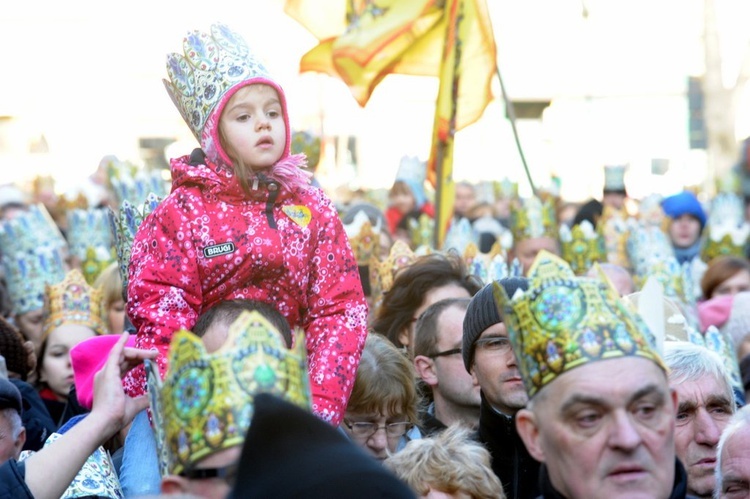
(511,462)
(679,489)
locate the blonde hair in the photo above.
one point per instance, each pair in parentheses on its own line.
(110,282)
(450,462)
(385,380)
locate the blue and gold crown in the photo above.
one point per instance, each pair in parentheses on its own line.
(487,267)
(73,301)
(90,240)
(124,226)
(33,255)
(205,402)
(582,246)
(132,184)
(212,63)
(563,321)
(615,225)
(363,238)
(459,235)
(382,274)
(532,218)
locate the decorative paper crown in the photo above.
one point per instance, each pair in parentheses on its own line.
(73,301)
(133,184)
(460,235)
(505,189)
(563,321)
(96,478)
(729,182)
(488,267)
(582,246)
(309,144)
(363,238)
(383,273)
(205,403)
(212,63)
(614,178)
(720,343)
(124,226)
(532,218)
(421,232)
(33,254)
(90,240)
(413,169)
(614,226)
(725,239)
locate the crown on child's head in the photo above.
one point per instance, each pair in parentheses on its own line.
(91,240)
(33,254)
(563,321)
(412,169)
(531,218)
(212,63)
(614,178)
(73,301)
(205,402)
(124,226)
(582,246)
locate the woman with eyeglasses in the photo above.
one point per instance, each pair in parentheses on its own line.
(381,416)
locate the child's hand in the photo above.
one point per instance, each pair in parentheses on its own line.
(111,404)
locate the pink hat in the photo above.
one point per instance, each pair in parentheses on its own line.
(87,358)
(715,312)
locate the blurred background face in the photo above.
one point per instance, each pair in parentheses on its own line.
(56,369)
(527,249)
(116,317)
(402,198)
(684,231)
(736,284)
(31,324)
(465,199)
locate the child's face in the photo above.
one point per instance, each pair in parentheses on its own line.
(57,371)
(253,126)
(403,202)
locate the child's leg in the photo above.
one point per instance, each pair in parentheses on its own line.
(139,472)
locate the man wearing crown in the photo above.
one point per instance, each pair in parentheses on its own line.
(601,414)
(533,222)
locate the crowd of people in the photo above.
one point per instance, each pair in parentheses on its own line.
(237,332)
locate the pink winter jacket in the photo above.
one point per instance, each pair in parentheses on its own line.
(208,241)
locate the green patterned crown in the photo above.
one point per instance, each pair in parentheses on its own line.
(90,240)
(563,321)
(205,402)
(582,246)
(531,218)
(124,226)
(33,255)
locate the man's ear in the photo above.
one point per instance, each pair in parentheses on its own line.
(20,441)
(404,336)
(174,484)
(425,368)
(527,428)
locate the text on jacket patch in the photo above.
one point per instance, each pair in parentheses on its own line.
(218,249)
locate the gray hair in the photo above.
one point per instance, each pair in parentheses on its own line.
(690,362)
(14,419)
(739,421)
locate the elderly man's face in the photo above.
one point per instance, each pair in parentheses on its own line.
(605,429)
(11,442)
(704,407)
(735,466)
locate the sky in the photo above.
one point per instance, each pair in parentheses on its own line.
(88,75)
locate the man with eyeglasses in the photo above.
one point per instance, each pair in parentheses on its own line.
(438,338)
(489,358)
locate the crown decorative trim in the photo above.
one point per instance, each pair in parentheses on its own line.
(73,301)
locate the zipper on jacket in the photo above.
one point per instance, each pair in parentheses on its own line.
(273,193)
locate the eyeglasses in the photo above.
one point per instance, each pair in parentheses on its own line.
(493,344)
(445,353)
(365,429)
(228,473)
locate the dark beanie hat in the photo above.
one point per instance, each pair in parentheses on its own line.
(290,453)
(482,313)
(10,397)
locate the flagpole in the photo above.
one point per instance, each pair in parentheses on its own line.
(512,117)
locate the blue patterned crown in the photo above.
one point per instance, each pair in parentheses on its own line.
(124,225)
(90,240)
(133,184)
(563,321)
(614,178)
(205,402)
(488,267)
(212,64)
(33,255)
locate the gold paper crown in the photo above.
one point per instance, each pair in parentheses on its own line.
(364,240)
(563,321)
(205,403)
(383,273)
(532,218)
(582,246)
(614,226)
(422,231)
(73,301)
(724,240)
(487,267)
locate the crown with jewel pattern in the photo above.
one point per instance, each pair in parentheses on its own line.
(459,235)
(90,240)
(205,402)
(124,226)
(726,231)
(363,237)
(582,246)
(73,301)
(33,255)
(531,218)
(487,267)
(563,321)
(212,63)
(383,273)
